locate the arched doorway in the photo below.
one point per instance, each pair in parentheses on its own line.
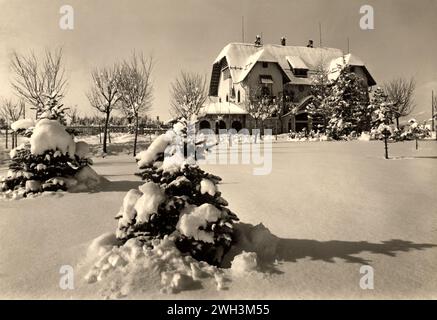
(204,124)
(301,122)
(236,124)
(219,125)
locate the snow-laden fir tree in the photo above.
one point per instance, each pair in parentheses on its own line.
(321,90)
(178,199)
(348,103)
(49,159)
(381,109)
(52,108)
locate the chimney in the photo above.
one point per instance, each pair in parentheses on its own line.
(258,40)
(283,41)
(310,44)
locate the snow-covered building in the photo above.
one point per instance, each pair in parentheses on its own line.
(281,72)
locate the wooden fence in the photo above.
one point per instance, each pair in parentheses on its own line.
(11,136)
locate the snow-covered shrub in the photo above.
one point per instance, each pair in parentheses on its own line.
(49,161)
(178,198)
(416,131)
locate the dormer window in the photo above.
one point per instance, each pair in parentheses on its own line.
(265,64)
(226,73)
(302,73)
(297,66)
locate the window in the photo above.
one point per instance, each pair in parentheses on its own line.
(227,98)
(238,96)
(265,64)
(300,73)
(265,90)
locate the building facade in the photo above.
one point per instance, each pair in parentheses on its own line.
(283,73)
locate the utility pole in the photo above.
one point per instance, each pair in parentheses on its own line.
(433,113)
(242,27)
(320,34)
(432,110)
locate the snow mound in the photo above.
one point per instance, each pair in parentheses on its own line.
(32,186)
(257,239)
(135,267)
(158,146)
(22,124)
(82,149)
(86,179)
(51,135)
(194,220)
(244,262)
(364,137)
(102,244)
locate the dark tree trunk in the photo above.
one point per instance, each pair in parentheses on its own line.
(136,135)
(256,127)
(386,147)
(397,123)
(105,132)
(261,134)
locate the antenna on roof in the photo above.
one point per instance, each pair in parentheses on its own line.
(242,27)
(320,34)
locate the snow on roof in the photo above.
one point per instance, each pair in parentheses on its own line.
(296,62)
(221,108)
(349,59)
(241,57)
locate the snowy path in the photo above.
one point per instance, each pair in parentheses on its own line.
(335,206)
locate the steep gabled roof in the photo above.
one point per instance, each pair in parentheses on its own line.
(349,59)
(221,108)
(242,57)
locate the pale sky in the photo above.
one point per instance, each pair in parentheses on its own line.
(189,34)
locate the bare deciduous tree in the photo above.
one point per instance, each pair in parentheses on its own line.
(10,110)
(260,106)
(35,80)
(188,94)
(137,88)
(400,93)
(73,114)
(105,93)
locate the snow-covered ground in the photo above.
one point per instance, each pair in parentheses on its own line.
(331,206)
